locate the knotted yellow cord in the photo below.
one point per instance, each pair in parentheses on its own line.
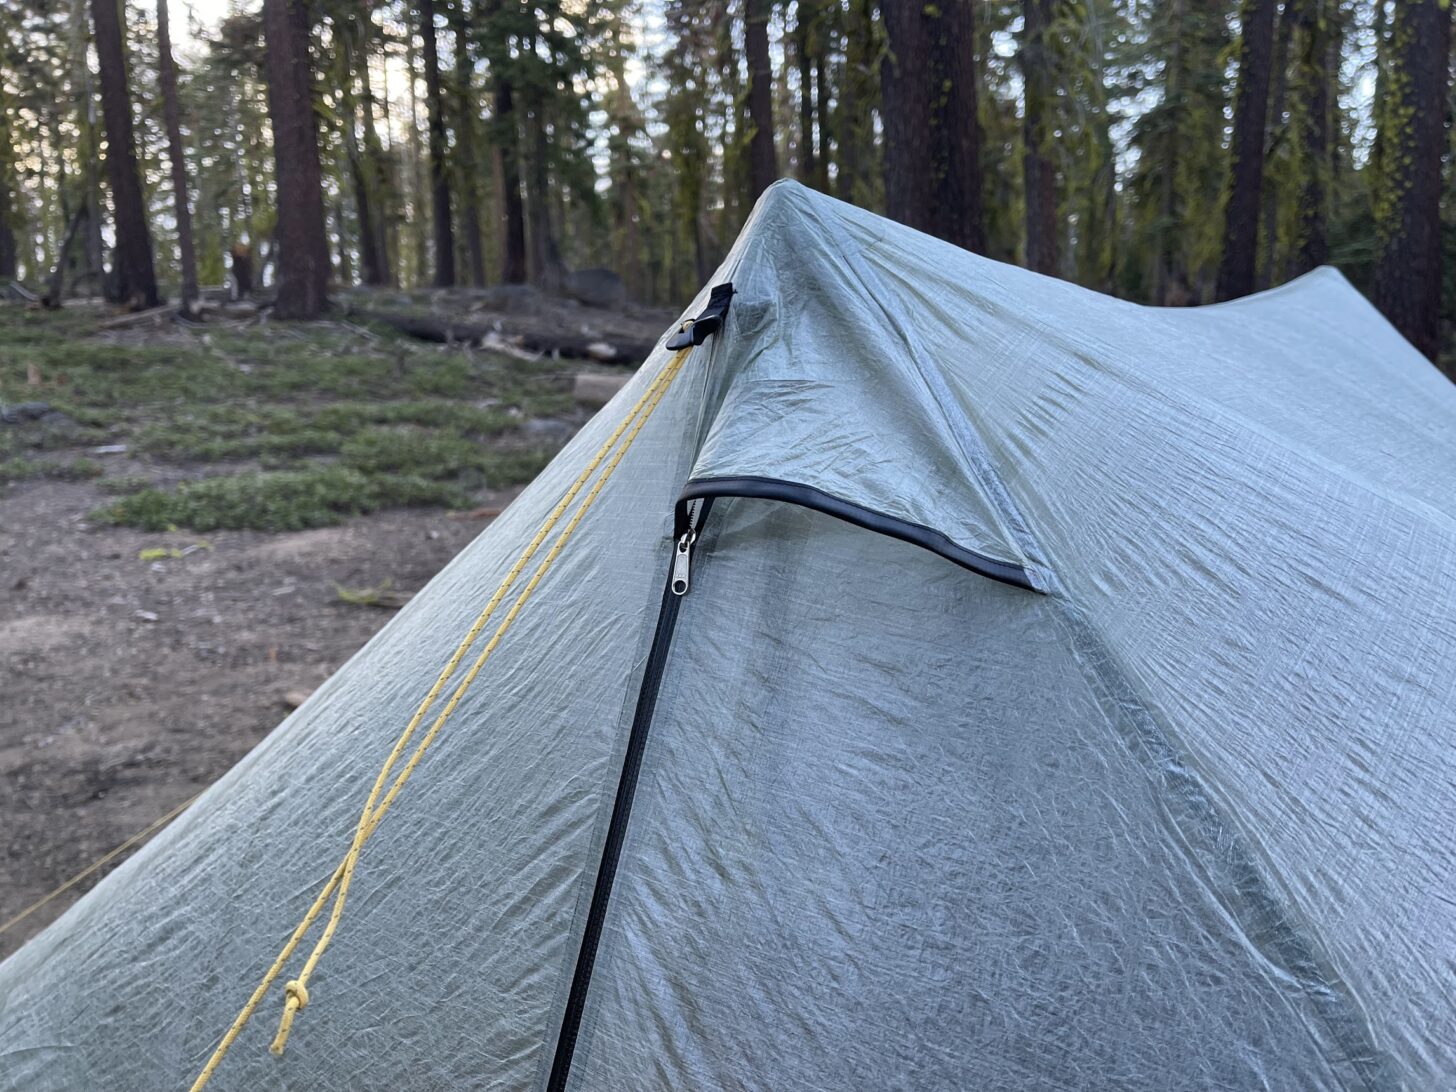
(296,990)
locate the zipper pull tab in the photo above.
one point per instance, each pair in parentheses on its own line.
(681,562)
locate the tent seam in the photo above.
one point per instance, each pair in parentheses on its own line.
(973,451)
(1286,943)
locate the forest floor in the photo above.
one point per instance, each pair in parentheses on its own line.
(198,525)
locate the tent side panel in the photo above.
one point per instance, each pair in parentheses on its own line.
(463,921)
(888,836)
(1291,626)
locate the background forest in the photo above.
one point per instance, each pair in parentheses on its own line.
(202,519)
(1167,151)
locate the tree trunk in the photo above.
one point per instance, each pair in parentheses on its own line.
(1246,161)
(303,249)
(1314,83)
(133,281)
(1040,176)
(370,255)
(853,106)
(848,150)
(8,218)
(345,264)
(907,106)
(545,254)
(467,119)
(173,116)
(439,168)
(8,253)
(60,199)
(631,236)
(546,267)
(56,289)
(513,205)
(1408,197)
(1380,31)
(507,134)
(958,126)
(1169,279)
(87,148)
(376,174)
(363,163)
(803,46)
(419,241)
(932,131)
(241,256)
(624,123)
(821,105)
(1098,234)
(1269,213)
(763,167)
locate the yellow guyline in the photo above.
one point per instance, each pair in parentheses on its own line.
(296,990)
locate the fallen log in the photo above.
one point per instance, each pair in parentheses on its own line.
(591,389)
(228,308)
(153,315)
(450,331)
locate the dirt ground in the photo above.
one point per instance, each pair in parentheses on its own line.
(137,666)
(126,686)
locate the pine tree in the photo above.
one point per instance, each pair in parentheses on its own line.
(686,66)
(1315,78)
(187,256)
(806,33)
(1090,34)
(351,70)
(9,205)
(763,168)
(859,89)
(1408,195)
(932,136)
(303,253)
(133,280)
(1181,167)
(1275,131)
(440,203)
(1246,160)
(376,168)
(1038,171)
(505,135)
(466,122)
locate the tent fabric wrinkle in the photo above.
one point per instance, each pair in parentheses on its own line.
(1060,696)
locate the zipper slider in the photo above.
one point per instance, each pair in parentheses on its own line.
(682,554)
(681,562)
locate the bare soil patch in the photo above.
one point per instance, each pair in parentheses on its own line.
(176,526)
(126,686)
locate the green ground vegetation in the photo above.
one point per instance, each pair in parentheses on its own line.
(275,427)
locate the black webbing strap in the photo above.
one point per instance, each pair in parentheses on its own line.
(698,330)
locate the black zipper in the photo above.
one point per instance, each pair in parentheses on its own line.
(807,496)
(686,531)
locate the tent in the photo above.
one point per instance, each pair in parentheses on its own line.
(1060,695)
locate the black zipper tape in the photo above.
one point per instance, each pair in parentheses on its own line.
(617,829)
(806,496)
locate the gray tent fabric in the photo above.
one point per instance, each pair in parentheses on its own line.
(1063,698)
